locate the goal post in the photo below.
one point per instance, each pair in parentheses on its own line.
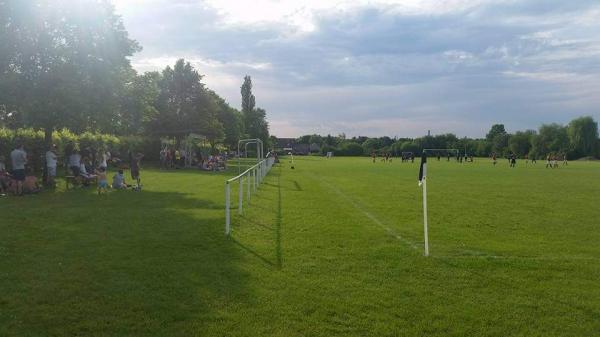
(245,143)
(423,184)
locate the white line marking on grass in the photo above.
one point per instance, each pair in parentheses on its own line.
(480,255)
(368,214)
(508,257)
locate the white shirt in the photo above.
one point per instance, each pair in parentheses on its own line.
(105,157)
(82,169)
(51,159)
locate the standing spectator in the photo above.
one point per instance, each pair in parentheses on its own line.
(163,159)
(134,166)
(51,160)
(184,155)
(4,177)
(104,160)
(19,158)
(177,159)
(75,162)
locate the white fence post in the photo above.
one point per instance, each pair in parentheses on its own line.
(241,196)
(248,182)
(254,176)
(227,215)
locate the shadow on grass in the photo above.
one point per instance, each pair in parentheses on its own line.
(129,264)
(261,206)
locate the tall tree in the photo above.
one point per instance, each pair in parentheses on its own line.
(138,103)
(520,142)
(248,100)
(255,123)
(583,136)
(62,62)
(551,138)
(497,129)
(184,105)
(231,120)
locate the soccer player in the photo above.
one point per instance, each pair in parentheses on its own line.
(565,162)
(513,160)
(494,159)
(374,156)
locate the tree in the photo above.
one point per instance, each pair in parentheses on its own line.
(371,144)
(520,142)
(255,123)
(551,138)
(497,129)
(248,100)
(230,119)
(185,106)
(138,103)
(583,136)
(62,62)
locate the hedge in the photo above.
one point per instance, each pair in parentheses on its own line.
(65,140)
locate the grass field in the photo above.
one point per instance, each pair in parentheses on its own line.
(332,248)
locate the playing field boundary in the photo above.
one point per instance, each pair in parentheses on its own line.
(480,255)
(368,214)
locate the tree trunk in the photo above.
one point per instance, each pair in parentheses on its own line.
(48,142)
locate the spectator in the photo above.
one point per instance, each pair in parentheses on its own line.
(75,163)
(105,157)
(30,184)
(119,181)
(51,160)
(4,177)
(18,158)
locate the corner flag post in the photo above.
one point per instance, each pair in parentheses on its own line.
(423,183)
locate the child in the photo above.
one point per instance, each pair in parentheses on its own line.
(102,180)
(119,181)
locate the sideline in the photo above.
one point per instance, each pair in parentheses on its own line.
(480,255)
(367,213)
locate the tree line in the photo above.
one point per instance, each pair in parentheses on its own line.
(577,139)
(64,64)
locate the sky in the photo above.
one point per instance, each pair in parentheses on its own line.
(384,67)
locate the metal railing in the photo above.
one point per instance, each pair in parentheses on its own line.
(249,181)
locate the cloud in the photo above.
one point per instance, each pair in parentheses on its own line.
(385,67)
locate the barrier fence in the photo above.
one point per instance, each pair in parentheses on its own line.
(248,182)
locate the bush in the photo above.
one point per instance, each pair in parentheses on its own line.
(66,141)
(350,149)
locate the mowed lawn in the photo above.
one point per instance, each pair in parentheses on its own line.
(331,248)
